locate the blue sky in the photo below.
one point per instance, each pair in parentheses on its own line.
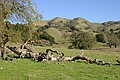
(92,10)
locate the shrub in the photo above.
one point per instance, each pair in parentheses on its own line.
(100,38)
(46,36)
(73,28)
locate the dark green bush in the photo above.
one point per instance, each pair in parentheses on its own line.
(100,38)
(73,28)
(46,36)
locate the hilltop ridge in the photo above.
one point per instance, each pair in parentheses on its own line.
(78,23)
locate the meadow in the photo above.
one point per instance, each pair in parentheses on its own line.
(26,69)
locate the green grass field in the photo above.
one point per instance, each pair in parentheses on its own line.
(26,69)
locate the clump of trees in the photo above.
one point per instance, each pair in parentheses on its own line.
(112,40)
(15,10)
(82,40)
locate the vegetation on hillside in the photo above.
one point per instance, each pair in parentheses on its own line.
(104,32)
(100,38)
(82,40)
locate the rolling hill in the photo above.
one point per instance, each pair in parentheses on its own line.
(62,27)
(79,23)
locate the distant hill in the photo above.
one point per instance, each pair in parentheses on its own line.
(78,23)
(59,22)
(115,25)
(59,19)
(41,22)
(62,27)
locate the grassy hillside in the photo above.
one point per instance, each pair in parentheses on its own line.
(58,19)
(25,69)
(41,22)
(80,23)
(56,34)
(58,27)
(115,25)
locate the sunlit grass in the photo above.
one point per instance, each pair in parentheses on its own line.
(26,69)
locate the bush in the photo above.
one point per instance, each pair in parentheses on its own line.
(83,40)
(73,28)
(100,38)
(46,36)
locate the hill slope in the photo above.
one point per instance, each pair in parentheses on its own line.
(56,34)
(62,28)
(78,22)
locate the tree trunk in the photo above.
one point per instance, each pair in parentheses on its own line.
(3,52)
(24,44)
(3,45)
